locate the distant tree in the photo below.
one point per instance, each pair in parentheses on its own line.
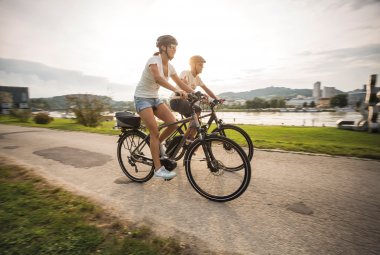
(123,106)
(312,104)
(88,109)
(40,103)
(256,103)
(273,103)
(304,104)
(339,100)
(281,103)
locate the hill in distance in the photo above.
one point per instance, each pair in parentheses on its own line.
(269,92)
(60,102)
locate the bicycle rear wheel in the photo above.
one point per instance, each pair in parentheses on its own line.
(207,165)
(132,152)
(239,136)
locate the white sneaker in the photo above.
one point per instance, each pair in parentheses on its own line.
(165,174)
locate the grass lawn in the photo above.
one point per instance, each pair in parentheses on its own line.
(37,218)
(326,140)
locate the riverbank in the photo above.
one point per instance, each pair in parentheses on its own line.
(323,140)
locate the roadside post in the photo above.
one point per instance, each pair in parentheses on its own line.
(372,102)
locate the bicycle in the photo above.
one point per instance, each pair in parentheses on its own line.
(208,170)
(226,130)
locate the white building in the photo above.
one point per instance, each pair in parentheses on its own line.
(328,92)
(298,102)
(317,90)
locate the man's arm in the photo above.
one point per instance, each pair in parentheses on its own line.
(209,92)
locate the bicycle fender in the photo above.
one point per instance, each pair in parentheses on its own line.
(121,136)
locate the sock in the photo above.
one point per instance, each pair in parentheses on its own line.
(162,150)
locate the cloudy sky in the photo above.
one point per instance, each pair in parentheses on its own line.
(248,44)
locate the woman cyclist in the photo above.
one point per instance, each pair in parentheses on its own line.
(191,78)
(156,73)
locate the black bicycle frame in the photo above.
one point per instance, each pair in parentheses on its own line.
(213,118)
(149,161)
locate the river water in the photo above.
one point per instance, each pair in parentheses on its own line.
(317,119)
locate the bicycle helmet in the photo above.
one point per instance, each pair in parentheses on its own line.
(166,40)
(197,59)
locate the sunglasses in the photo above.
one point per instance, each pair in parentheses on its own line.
(172,46)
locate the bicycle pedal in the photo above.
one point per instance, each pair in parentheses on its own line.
(169,164)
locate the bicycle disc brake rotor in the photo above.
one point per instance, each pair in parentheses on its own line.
(217,167)
(228,148)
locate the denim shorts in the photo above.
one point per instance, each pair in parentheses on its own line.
(142,103)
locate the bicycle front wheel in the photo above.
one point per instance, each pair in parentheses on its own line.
(133,153)
(239,136)
(207,165)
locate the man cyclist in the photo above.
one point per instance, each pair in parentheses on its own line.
(192,79)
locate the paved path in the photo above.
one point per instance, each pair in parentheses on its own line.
(296,204)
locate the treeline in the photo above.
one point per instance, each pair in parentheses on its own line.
(340,100)
(61,103)
(258,102)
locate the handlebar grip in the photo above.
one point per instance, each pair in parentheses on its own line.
(198,94)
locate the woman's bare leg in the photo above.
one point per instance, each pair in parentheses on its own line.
(147,117)
(163,113)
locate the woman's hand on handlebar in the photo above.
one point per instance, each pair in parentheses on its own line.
(205,98)
(181,93)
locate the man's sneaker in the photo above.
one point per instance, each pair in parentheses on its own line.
(168,163)
(164,174)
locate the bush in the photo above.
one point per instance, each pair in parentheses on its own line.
(22,114)
(42,118)
(88,108)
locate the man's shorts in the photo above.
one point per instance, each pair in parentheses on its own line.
(183,107)
(142,103)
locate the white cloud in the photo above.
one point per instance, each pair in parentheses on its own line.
(279,39)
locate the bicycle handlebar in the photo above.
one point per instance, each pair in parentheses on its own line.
(194,97)
(215,102)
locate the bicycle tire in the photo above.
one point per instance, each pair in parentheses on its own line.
(203,178)
(132,168)
(244,140)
